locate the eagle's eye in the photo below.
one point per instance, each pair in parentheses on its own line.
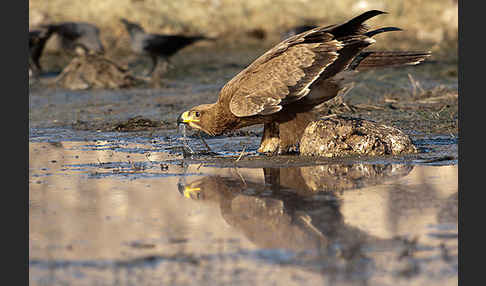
(197,114)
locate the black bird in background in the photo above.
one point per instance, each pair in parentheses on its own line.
(157,45)
(37,42)
(78,37)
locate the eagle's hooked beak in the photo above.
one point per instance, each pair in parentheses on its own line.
(184,118)
(180,120)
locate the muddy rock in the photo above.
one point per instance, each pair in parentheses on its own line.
(345,136)
(86,72)
(137,123)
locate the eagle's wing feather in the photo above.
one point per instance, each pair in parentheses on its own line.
(285,73)
(280,76)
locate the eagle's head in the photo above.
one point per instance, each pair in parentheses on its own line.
(201,117)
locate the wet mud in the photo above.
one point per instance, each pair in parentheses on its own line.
(117,196)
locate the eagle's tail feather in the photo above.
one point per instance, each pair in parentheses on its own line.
(381,59)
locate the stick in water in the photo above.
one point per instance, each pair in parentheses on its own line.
(203,141)
(184,140)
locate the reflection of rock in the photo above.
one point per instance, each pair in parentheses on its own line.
(341,136)
(339,177)
(92,71)
(335,177)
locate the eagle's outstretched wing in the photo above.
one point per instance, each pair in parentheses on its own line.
(284,74)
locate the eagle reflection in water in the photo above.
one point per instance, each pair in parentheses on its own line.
(298,209)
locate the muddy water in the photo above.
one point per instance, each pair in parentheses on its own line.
(133,211)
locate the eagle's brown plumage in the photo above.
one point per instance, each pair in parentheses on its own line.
(284,87)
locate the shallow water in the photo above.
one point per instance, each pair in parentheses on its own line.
(133,212)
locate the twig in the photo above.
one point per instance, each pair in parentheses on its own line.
(186,145)
(348,107)
(206,144)
(347,89)
(328,116)
(415,85)
(437,114)
(241,177)
(101,163)
(368,106)
(147,155)
(241,154)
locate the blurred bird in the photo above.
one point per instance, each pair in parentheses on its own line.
(37,41)
(157,45)
(78,37)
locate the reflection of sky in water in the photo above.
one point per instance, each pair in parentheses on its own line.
(96,206)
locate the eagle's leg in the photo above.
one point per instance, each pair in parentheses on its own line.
(270,139)
(291,131)
(284,137)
